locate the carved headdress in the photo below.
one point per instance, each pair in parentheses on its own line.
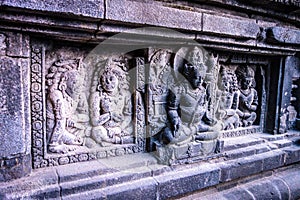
(243,72)
(59,70)
(190,57)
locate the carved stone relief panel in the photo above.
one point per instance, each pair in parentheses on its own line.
(193,100)
(182,100)
(92,110)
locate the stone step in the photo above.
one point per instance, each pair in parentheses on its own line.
(241,142)
(279,141)
(246,151)
(138,190)
(188,178)
(103,181)
(257,149)
(282,184)
(139,175)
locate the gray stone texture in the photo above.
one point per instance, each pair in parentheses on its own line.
(283,35)
(240,168)
(238,194)
(247,156)
(14,111)
(139,12)
(15,167)
(90,8)
(40,185)
(11,110)
(243,28)
(293,154)
(139,190)
(182,182)
(291,179)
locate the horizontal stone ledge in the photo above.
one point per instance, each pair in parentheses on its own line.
(47,21)
(153,14)
(283,184)
(241,28)
(87,8)
(283,35)
(177,183)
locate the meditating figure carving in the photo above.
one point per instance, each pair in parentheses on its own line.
(66,106)
(187,104)
(248,99)
(111,106)
(228,96)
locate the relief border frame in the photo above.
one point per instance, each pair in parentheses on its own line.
(40,158)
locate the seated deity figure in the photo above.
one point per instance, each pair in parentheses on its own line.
(248,99)
(228,96)
(66,107)
(111,108)
(187,104)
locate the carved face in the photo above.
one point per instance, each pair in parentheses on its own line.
(109,82)
(192,74)
(73,82)
(246,82)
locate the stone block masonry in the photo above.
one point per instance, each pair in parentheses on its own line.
(205,107)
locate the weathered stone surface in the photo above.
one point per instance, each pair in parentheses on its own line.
(293,155)
(238,153)
(24,63)
(283,35)
(11,113)
(49,21)
(241,167)
(265,190)
(282,143)
(243,28)
(238,194)
(152,14)
(282,187)
(14,168)
(91,8)
(101,181)
(181,182)
(141,189)
(81,171)
(270,187)
(241,142)
(18,45)
(273,160)
(40,185)
(15,150)
(291,179)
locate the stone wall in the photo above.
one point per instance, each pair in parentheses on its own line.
(55,76)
